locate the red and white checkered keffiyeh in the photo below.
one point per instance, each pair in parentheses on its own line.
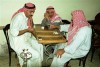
(55,17)
(78,21)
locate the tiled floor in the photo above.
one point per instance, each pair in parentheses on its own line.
(74,63)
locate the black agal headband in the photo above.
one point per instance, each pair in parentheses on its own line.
(49,8)
(29,7)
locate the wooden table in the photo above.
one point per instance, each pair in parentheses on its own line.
(48,36)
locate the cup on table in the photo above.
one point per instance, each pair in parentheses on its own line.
(42,27)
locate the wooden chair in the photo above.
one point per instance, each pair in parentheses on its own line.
(96,35)
(96,40)
(95,46)
(65,21)
(82,59)
(10,50)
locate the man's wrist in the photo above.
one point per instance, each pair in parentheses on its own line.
(26,30)
(63,50)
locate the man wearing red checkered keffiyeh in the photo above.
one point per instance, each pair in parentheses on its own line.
(79,40)
(22,36)
(51,17)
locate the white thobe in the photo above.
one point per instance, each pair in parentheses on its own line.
(25,41)
(79,46)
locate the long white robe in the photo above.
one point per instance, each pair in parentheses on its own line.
(79,47)
(25,41)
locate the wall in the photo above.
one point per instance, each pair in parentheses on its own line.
(62,7)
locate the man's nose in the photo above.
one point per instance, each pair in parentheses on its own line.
(32,13)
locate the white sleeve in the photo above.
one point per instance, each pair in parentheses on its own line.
(77,41)
(15,25)
(64,27)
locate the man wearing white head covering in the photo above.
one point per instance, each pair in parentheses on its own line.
(21,35)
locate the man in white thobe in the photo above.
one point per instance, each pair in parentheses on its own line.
(21,36)
(79,40)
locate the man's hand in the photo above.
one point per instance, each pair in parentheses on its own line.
(60,52)
(31,30)
(46,16)
(31,21)
(53,26)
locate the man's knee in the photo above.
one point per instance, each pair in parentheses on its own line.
(35,55)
